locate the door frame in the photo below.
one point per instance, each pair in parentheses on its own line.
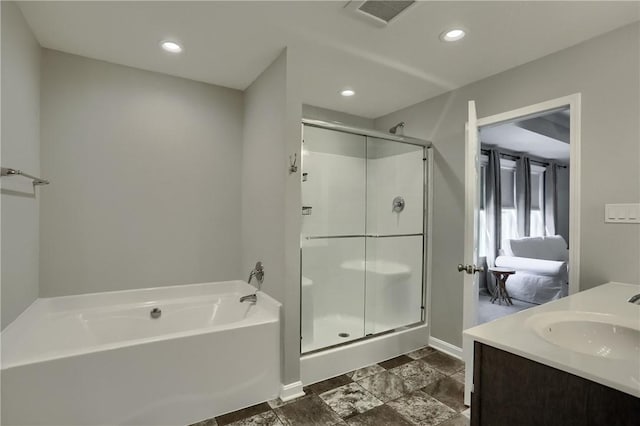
(572,101)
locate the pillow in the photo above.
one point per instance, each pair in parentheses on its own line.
(556,248)
(530,247)
(546,248)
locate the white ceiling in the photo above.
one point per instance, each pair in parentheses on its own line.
(519,140)
(230,43)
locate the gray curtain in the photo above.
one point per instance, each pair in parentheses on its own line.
(493,209)
(550,199)
(523,196)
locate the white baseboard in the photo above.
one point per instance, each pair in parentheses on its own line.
(291,391)
(445,347)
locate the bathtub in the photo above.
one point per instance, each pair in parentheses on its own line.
(102,359)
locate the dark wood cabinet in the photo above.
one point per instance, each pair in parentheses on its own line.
(509,390)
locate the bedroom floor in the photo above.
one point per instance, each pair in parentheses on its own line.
(488,311)
(424,387)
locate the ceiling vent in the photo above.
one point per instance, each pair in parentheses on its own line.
(380,12)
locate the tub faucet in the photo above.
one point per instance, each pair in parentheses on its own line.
(635,299)
(258,273)
(251,298)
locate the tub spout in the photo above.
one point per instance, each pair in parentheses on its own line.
(252,298)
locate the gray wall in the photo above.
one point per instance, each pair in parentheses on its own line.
(145,172)
(20,150)
(271,196)
(293,218)
(263,176)
(606,71)
(323,114)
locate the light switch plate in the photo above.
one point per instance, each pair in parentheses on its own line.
(622,213)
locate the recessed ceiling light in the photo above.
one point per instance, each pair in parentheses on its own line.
(347,92)
(171,46)
(452,35)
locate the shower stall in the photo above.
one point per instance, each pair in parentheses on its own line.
(363,239)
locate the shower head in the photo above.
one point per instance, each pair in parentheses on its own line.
(395,128)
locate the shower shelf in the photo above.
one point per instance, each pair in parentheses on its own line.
(379,267)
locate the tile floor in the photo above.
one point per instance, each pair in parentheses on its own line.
(424,387)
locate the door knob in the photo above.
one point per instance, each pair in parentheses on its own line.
(470,269)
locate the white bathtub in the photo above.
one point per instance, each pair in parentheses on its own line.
(101,359)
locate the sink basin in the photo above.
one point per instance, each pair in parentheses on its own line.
(599,335)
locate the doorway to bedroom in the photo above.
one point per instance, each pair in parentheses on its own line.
(525,252)
(523,221)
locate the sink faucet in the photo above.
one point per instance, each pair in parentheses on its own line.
(635,299)
(258,273)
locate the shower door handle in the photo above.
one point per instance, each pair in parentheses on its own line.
(470,269)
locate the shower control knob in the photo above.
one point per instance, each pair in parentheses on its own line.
(398,204)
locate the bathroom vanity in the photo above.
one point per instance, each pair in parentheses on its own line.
(574,361)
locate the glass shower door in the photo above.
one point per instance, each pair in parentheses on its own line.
(332,239)
(362,241)
(394,243)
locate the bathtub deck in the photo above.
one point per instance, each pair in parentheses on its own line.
(424,387)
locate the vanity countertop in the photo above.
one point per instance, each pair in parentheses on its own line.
(515,334)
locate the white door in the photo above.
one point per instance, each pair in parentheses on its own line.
(470,266)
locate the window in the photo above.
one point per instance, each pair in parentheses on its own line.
(537,201)
(483,235)
(509,214)
(508,187)
(509,227)
(537,224)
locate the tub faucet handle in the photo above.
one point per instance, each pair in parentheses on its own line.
(258,272)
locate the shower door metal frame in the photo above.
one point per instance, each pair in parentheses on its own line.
(427,173)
